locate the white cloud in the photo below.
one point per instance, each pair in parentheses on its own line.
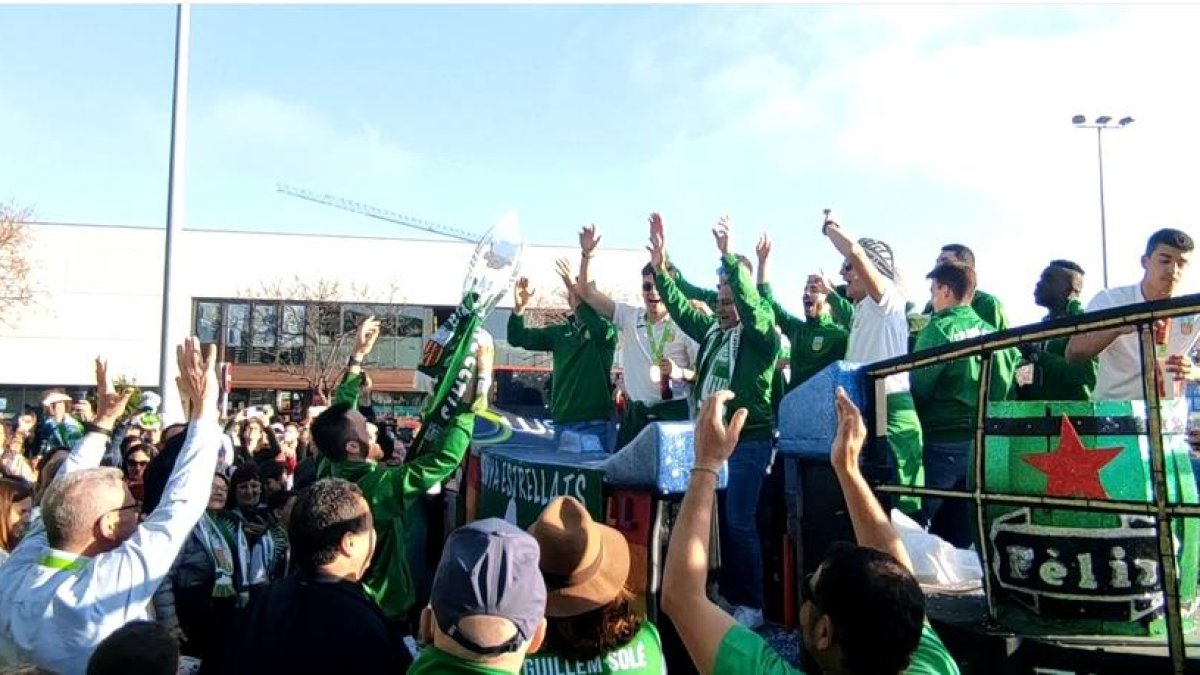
(970,105)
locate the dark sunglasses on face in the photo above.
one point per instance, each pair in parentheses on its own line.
(847,268)
(647,286)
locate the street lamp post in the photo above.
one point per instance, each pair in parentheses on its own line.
(1100,124)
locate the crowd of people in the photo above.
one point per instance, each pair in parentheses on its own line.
(252,544)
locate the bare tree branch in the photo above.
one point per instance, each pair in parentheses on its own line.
(16,285)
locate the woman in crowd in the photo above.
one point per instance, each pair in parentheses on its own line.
(260,543)
(12,460)
(16,501)
(134,461)
(196,602)
(592,624)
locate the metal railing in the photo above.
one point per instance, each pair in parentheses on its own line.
(1141,317)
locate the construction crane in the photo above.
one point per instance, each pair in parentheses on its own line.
(376,212)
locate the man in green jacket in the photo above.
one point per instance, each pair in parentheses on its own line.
(1045,374)
(340,434)
(947,396)
(583,347)
(986,305)
(737,352)
(816,340)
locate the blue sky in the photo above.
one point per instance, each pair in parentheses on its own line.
(921,125)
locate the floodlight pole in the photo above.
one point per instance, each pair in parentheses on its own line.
(1100,125)
(175,203)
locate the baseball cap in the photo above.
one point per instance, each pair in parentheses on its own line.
(490,568)
(55,397)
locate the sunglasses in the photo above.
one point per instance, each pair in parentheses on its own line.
(647,286)
(847,268)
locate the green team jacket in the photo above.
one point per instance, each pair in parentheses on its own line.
(1054,378)
(815,344)
(583,349)
(947,394)
(987,306)
(754,370)
(392,492)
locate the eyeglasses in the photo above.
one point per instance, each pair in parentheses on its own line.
(647,286)
(126,507)
(847,268)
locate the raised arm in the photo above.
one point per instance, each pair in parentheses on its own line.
(756,316)
(533,339)
(702,625)
(133,571)
(89,450)
(364,341)
(853,251)
(604,305)
(693,323)
(871,525)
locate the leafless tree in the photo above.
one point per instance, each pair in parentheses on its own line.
(16,286)
(315,342)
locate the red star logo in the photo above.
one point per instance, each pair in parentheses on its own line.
(1073,470)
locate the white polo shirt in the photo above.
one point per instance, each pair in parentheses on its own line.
(880,332)
(1119,377)
(640,342)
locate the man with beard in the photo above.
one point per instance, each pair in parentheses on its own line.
(816,340)
(1046,374)
(658,358)
(1168,253)
(737,352)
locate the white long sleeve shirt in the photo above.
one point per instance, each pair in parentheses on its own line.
(55,607)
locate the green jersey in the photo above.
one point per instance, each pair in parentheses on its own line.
(988,307)
(391,492)
(583,348)
(815,343)
(744,651)
(947,394)
(642,655)
(1055,378)
(742,358)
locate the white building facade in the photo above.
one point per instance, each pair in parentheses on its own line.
(273,303)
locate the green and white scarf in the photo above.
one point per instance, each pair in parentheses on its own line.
(220,553)
(717,362)
(449,359)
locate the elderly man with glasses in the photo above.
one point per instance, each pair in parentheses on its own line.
(87,566)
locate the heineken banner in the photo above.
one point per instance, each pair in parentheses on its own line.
(1065,571)
(448,358)
(516,484)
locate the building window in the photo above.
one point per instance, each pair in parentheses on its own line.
(208,322)
(295,335)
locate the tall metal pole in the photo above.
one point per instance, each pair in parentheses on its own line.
(175,202)
(1103,224)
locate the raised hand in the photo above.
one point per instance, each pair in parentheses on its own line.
(830,220)
(364,339)
(721,233)
(658,242)
(522,293)
(820,284)
(197,379)
(763,249)
(851,433)
(714,441)
(111,405)
(562,267)
(588,239)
